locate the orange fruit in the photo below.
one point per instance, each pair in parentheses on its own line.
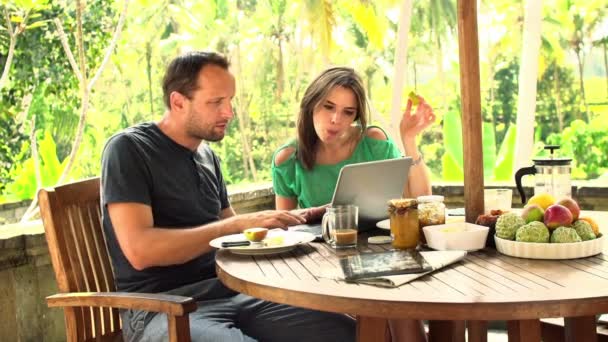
(544,200)
(594,226)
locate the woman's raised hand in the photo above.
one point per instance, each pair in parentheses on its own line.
(412,124)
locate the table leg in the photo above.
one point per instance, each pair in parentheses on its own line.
(477,331)
(527,330)
(447,331)
(371,329)
(580,329)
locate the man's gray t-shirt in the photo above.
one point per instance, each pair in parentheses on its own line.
(184,188)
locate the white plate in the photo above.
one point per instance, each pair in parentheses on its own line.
(290,240)
(535,250)
(384,224)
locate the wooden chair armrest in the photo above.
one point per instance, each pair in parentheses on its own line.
(155,302)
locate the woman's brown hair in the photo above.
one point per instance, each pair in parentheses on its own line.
(316,92)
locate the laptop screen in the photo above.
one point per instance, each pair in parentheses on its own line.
(370,185)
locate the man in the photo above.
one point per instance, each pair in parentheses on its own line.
(164,199)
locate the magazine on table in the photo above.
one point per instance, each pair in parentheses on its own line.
(396,267)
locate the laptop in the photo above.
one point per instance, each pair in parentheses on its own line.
(369,186)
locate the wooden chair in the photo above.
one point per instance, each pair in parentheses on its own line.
(71,215)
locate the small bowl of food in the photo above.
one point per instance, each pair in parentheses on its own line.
(456,236)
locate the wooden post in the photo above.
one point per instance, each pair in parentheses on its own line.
(468,46)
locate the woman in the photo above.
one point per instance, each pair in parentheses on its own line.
(332,132)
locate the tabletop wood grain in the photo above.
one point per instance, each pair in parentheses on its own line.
(486,285)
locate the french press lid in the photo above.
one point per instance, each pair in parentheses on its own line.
(551,161)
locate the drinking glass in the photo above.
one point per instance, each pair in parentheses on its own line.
(497,199)
(340,226)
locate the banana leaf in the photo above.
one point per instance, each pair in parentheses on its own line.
(452,159)
(452,171)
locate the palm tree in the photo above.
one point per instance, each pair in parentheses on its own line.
(580,20)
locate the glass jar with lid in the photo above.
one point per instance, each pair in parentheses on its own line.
(431,211)
(403,214)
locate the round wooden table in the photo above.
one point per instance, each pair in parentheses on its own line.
(485,286)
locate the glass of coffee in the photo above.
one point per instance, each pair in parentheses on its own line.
(340,226)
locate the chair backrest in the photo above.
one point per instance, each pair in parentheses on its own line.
(71,215)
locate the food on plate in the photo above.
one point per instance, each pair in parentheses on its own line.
(507,224)
(255,234)
(584,230)
(565,235)
(556,216)
(544,200)
(533,212)
(533,232)
(487,220)
(490,222)
(274,241)
(455,229)
(572,206)
(414,98)
(594,225)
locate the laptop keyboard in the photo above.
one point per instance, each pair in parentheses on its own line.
(314,229)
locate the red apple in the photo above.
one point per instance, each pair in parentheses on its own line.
(557,215)
(572,206)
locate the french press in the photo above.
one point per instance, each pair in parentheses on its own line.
(551,175)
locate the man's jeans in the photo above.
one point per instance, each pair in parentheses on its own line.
(224,315)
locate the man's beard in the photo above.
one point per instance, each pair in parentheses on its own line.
(207,133)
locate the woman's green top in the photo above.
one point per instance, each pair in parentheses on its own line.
(316,187)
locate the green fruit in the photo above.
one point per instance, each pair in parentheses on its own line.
(507,224)
(533,212)
(533,232)
(584,230)
(565,235)
(414,98)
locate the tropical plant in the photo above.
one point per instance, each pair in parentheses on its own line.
(579,21)
(25,183)
(557,102)
(587,145)
(497,165)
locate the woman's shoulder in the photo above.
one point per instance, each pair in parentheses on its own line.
(376,144)
(284,154)
(375,133)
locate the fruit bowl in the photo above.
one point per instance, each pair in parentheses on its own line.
(551,251)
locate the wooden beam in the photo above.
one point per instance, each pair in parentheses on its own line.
(468,46)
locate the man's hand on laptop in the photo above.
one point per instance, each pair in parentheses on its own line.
(272,219)
(312,214)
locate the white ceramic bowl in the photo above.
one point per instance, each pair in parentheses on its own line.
(456,236)
(536,250)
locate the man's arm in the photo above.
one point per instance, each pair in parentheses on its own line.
(228,212)
(145,245)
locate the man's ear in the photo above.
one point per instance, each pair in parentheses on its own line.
(177,101)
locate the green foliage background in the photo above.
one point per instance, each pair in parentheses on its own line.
(276,47)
